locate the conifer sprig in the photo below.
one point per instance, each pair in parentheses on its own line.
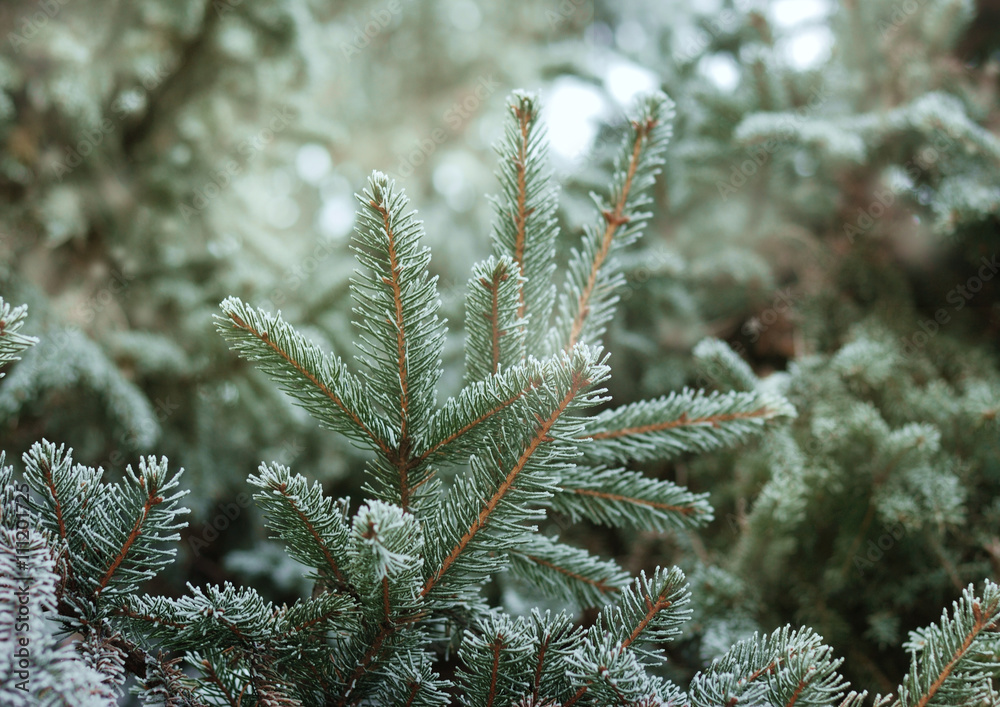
(396,304)
(568,573)
(12,342)
(525,228)
(116,535)
(628,499)
(589,297)
(320,382)
(495,331)
(507,482)
(785,668)
(399,581)
(688,421)
(955,662)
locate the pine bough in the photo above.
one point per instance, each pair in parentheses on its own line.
(455,491)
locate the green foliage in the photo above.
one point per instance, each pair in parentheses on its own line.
(456,492)
(11,341)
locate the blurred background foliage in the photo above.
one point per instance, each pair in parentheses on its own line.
(829,208)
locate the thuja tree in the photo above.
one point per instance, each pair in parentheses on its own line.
(397,615)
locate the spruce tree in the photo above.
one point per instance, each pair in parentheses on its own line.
(454,490)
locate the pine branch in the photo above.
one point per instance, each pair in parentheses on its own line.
(320,382)
(955,661)
(496,331)
(413,684)
(724,366)
(480,411)
(63,488)
(785,668)
(507,480)
(628,499)
(588,299)
(611,661)
(117,535)
(689,421)
(495,658)
(386,568)
(525,228)
(556,639)
(313,527)
(565,572)
(130,535)
(12,342)
(396,304)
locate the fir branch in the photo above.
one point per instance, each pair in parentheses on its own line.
(502,484)
(396,304)
(163,683)
(525,228)
(717,361)
(495,658)
(318,381)
(588,300)
(386,567)
(556,639)
(62,487)
(568,573)
(682,422)
(628,499)
(117,535)
(496,331)
(313,527)
(954,661)
(414,683)
(610,662)
(464,423)
(788,667)
(135,527)
(12,342)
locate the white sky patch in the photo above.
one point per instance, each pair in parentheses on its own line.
(336,217)
(282,182)
(625,80)
(630,36)
(791,13)
(465,15)
(808,48)
(313,162)
(571,115)
(284,212)
(450,181)
(722,70)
